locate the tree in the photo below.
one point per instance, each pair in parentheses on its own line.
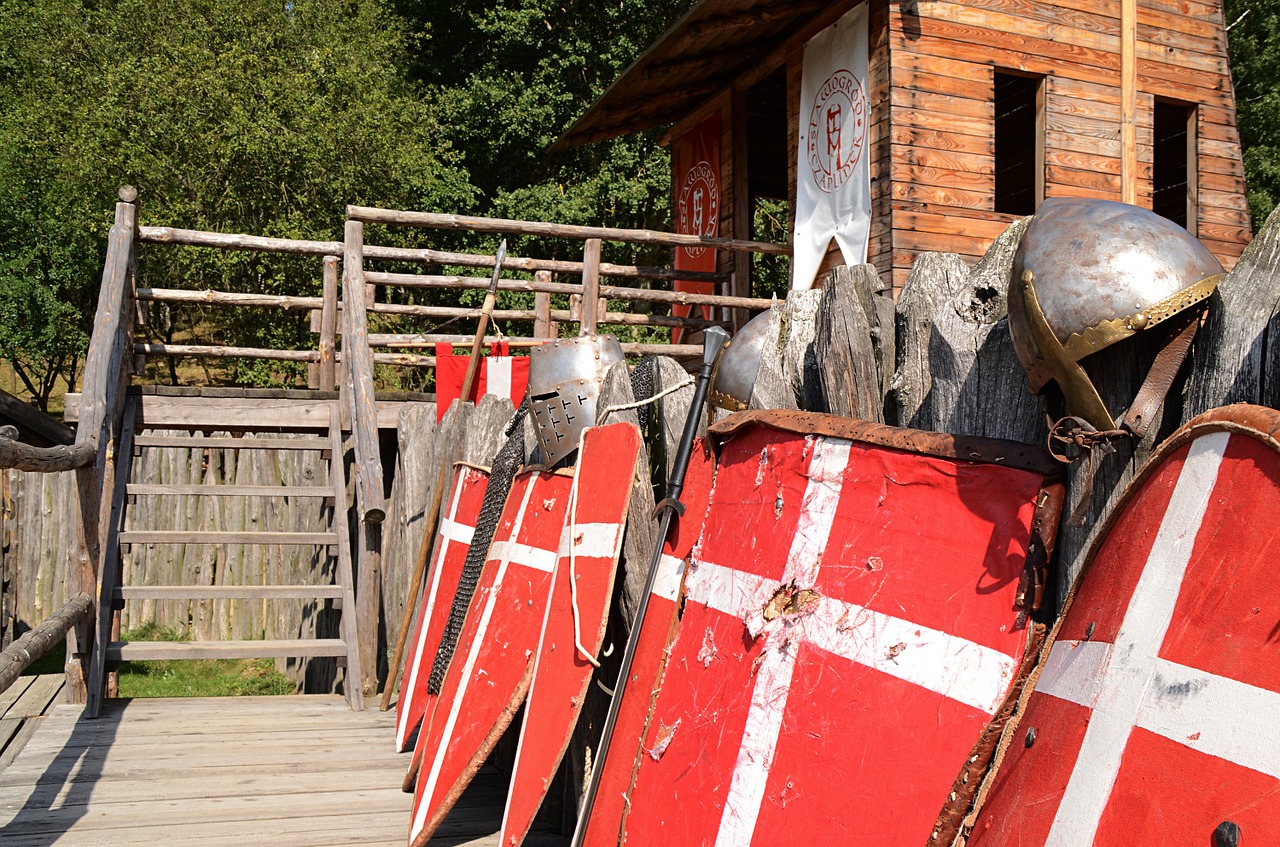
(1253,35)
(254,116)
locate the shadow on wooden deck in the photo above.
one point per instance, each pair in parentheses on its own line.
(291,770)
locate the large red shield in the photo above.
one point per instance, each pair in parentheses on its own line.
(1155,717)
(574,627)
(850,628)
(452,541)
(491,668)
(656,631)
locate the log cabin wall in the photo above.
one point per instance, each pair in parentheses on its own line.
(944,58)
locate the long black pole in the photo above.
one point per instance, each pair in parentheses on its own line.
(713,343)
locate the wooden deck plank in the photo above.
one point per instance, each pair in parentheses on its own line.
(293,770)
(169,650)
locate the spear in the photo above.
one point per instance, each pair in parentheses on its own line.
(670,507)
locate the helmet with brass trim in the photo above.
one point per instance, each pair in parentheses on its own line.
(565,376)
(736,371)
(1091,273)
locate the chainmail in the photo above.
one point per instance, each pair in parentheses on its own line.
(642,387)
(505,464)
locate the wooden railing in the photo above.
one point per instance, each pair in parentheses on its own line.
(342,309)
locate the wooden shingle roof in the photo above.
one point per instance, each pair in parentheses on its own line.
(701,55)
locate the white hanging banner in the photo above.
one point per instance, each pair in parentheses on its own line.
(833,186)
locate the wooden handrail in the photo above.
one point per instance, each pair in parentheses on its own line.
(24,457)
(19,655)
(433,220)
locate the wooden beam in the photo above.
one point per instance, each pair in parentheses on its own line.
(158,411)
(1129,101)
(590,285)
(236,241)
(517,263)
(733,21)
(26,417)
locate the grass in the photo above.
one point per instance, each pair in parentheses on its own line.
(196,678)
(200,678)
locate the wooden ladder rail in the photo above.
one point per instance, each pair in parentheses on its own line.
(112,566)
(338,539)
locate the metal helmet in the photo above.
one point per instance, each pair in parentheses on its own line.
(1090,273)
(564,383)
(736,372)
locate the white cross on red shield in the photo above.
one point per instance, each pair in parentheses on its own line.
(452,541)
(1156,718)
(849,630)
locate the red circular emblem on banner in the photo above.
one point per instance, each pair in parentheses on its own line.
(699,204)
(837,130)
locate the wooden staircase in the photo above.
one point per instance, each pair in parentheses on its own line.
(126,529)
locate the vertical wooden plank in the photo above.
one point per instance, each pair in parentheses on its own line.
(590,285)
(1129,101)
(345,577)
(542,326)
(1193,170)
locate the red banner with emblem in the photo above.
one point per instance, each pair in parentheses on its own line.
(696,173)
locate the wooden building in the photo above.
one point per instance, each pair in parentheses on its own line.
(978,109)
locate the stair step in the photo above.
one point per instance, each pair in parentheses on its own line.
(142,650)
(231,490)
(228,592)
(174,536)
(232,443)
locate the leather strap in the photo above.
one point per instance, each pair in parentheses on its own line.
(1142,412)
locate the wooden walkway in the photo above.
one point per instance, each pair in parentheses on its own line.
(300,770)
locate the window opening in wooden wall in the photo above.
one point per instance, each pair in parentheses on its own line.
(767,189)
(1173,162)
(1019,152)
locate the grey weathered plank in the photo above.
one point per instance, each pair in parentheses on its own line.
(138,650)
(228,592)
(174,536)
(228,442)
(231,490)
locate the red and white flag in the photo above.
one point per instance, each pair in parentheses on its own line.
(849,629)
(1156,717)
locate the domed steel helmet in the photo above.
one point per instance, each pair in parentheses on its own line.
(564,383)
(736,371)
(1090,273)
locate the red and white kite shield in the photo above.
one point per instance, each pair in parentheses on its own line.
(493,662)
(850,628)
(452,541)
(574,626)
(656,632)
(1156,717)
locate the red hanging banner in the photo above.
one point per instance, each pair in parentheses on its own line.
(696,178)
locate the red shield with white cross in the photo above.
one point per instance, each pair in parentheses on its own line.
(449,555)
(574,627)
(632,729)
(1156,716)
(850,628)
(492,664)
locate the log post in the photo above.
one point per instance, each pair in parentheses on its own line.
(358,364)
(590,286)
(329,324)
(102,407)
(542,325)
(19,655)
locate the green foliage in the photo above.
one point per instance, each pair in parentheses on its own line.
(228,115)
(202,678)
(1253,36)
